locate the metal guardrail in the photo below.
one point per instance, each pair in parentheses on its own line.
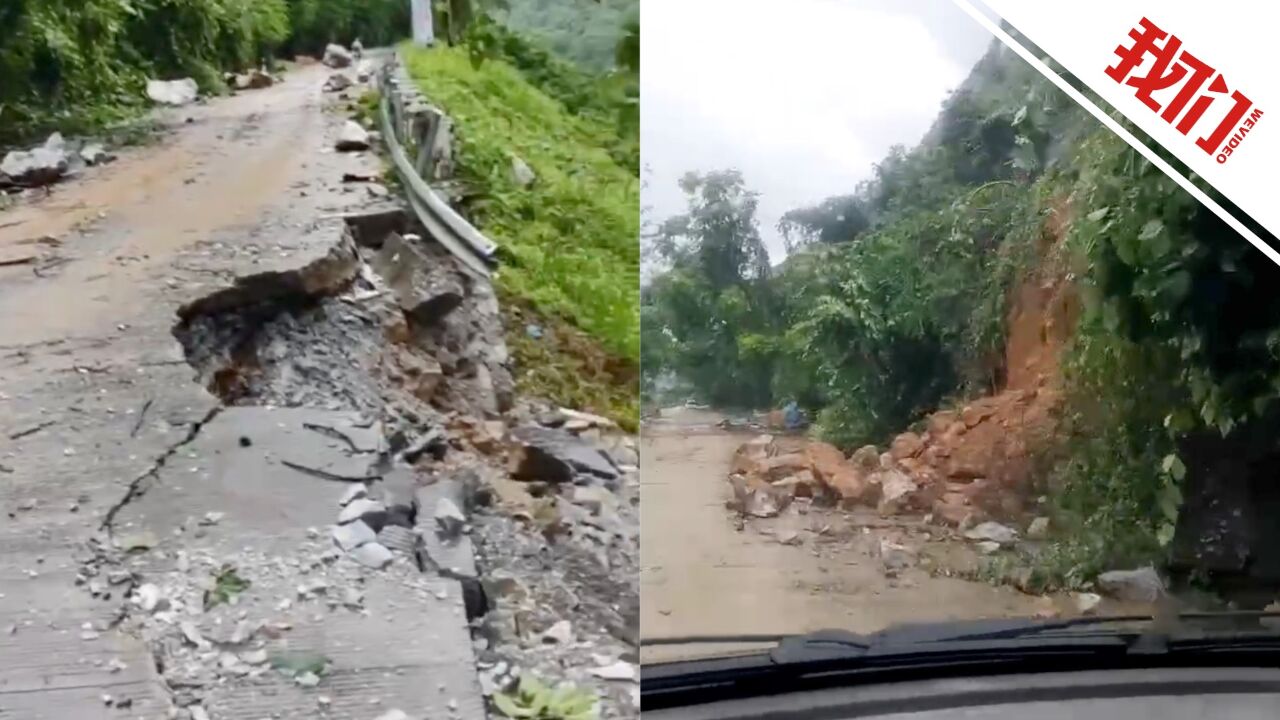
(410,124)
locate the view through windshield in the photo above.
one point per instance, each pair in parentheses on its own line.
(923,341)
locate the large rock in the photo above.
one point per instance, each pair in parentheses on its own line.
(353,138)
(336,56)
(95,154)
(895,491)
(825,460)
(555,456)
(866,459)
(755,498)
(173,92)
(802,484)
(850,488)
(906,445)
(39,166)
(1141,585)
(750,454)
(992,531)
(782,466)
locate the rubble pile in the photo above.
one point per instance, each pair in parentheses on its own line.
(966,467)
(50,162)
(560,546)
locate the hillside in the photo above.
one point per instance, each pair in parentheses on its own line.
(570,259)
(1041,308)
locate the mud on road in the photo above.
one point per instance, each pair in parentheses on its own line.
(808,569)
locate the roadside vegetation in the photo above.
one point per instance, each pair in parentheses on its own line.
(894,302)
(80,65)
(569,238)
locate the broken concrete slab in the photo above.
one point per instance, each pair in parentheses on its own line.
(373,555)
(451,556)
(355,492)
(352,535)
(556,456)
(426,289)
(399,539)
(328,271)
(372,512)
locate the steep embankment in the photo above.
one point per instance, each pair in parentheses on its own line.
(556,190)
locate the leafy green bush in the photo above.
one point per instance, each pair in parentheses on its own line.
(77,65)
(585,32)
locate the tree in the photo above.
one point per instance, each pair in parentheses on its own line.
(709,314)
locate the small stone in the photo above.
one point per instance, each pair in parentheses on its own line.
(372,555)
(620,670)
(307,679)
(28,504)
(212,518)
(192,634)
(116,665)
(1087,602)
(352,598)
(521,173)
(1038,529)
(394,714)
(150,599)
(254,657)
(198,712)
(324,701)
(789,537)
(561,633)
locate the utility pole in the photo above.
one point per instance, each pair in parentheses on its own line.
(423,33)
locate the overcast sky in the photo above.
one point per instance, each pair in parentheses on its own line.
(802,96)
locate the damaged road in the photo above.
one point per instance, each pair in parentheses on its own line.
(297,500)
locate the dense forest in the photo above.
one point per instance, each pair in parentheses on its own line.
(585,32)
(78,65)
(897,300)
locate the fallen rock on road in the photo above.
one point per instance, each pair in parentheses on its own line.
(353,138)
(38,166)
(337,56)
(173,92)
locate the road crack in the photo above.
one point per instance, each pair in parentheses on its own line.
(136,486)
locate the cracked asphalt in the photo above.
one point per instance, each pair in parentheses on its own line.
(97,400)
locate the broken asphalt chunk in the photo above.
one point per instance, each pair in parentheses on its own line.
(352,535)
(372,555)
(556,456)
(372,512)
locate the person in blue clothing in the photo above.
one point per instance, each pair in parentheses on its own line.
(793,416)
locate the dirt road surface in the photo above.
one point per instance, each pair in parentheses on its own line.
(700,575)
(97,400)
